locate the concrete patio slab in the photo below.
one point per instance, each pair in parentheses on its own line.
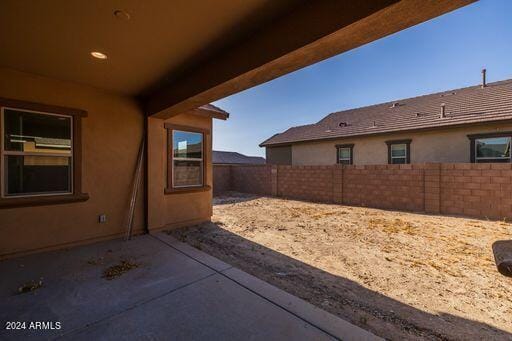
(74,291)
(318,317)
(323,320)
(212,309)
(176,292)
(201,257)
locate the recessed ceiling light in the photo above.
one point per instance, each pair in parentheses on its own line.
(98,55)
(122,15)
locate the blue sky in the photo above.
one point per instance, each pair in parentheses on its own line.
(445,53)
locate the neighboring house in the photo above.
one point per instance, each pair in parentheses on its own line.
(234,158)
(472,124)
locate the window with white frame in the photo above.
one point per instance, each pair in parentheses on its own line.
(36,153)
(344,154)
(187,159)
(399,153)
(494,149)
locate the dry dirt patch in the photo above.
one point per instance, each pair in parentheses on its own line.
(401,275)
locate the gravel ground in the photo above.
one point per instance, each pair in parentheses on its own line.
(400,275)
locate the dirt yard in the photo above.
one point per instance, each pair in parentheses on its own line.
(400,275)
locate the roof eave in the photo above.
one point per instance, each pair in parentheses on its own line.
(205,111)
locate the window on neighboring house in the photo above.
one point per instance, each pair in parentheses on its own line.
(490,147)
(37,153)
(399,151)
(186,165)
(344,154)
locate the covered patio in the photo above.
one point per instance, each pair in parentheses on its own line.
(173,292)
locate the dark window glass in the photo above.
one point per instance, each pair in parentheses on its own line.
(187,145)
(187,158)
(37,153)
(187,173)
(398,153)
(36,133)
(344,156)
(493,149)
(344,153)
(37,174)
(398,150)
(400,160)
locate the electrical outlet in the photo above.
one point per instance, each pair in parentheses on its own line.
(102,219)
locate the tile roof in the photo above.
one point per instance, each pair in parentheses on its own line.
(211,107)
(462,106)
(236,158)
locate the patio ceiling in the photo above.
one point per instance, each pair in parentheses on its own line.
(178,55)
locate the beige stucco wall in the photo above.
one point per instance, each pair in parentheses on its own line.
(173,210)
(451,145)
(279,155)
(111,135)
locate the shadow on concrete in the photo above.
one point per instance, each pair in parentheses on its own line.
(377,313)
(168,295)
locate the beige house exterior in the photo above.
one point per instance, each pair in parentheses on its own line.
(109,158)
(175,209)
(444,145)
(107,153)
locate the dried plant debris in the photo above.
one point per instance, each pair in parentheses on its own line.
(30,286)
(119,269)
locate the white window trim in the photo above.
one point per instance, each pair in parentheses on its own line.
(398,157)
(3,153)
(187,159)
(342,158)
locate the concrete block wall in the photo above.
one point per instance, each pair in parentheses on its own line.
(384,186)
(481,190)
(337,184)
(478,190)
(254,179)
(432,184)
(312,183)
(221,179)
